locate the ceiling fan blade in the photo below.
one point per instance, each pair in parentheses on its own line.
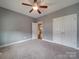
(26,4)
(43,6)
(30,10)
(39,11)
(35,1)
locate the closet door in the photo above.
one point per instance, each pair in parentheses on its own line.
(65,30)
(58,30)
(70,30)
(34,30)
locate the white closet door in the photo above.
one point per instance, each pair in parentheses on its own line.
(34,30)
(65,30)
(58,30)
(70,30)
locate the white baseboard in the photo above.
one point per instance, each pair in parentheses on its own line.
(59,44)
(5,45)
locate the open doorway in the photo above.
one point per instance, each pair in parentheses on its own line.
(37,30)
(40,31)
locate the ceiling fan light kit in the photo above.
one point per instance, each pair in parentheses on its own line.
(35,6)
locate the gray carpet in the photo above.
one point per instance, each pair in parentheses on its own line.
(38,49)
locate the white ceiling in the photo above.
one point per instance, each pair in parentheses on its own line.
(53,5)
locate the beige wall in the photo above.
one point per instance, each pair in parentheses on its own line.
(14,26)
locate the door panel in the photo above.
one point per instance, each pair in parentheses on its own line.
(70,29)
(57,30)
(34,30)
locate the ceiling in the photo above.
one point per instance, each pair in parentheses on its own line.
(53,5)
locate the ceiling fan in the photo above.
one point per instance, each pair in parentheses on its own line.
(35,6)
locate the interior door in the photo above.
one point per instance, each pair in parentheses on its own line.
(58,30)
(70,30)
(65,30)
(34,30)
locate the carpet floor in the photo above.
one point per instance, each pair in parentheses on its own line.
(38,49)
